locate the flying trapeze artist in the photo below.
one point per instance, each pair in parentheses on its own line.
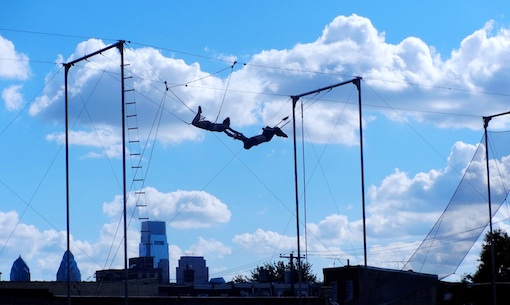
(266,136)
(208,125)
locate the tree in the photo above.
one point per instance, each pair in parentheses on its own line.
(240,279)
(483,273)
(275,272)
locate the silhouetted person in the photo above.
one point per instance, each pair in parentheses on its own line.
(208,125)
(266,136)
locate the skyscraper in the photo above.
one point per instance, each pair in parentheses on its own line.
(192,269)
(74,271)
(20,271)
(153,242)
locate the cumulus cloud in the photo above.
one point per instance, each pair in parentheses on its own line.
(349,46)
(263,242)
(397,215)
(335,230)
(13,65)
(209,247)
(43,250)
(103,138)
(13,97)
(401,210)
(409,74)
(402,203)
(180,209)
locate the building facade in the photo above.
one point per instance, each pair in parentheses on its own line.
(192,269)
(357,285)
(141,270)
(153,243)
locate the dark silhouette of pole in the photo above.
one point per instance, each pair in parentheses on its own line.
(357,82)
(66,105)
(294,101)
(120,46)
(486,120)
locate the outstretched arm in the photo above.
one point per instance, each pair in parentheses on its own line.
(234,134)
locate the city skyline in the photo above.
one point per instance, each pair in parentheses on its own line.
(428,75)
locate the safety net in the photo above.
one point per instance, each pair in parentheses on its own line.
(467,214)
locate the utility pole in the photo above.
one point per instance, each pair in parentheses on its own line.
(291,258)
(293,271)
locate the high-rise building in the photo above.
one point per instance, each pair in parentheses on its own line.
(192,269)
(20,271)
(74,271)
(153,243)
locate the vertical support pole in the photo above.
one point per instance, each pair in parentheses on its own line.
(294,101)
(66,102)
(120,45)
(304,178)
(491,236)
(357,82)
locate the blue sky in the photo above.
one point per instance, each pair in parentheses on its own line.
(430,72)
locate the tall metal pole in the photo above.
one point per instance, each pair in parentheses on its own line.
(357,82)
(294,101)
(491,236)
(486,120)
(66,102)
(126,273)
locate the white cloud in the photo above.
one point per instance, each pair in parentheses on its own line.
(103,138)
(479,62)
(349,45)
(335,230)
(13,97)
(31,243)
(13,65)
(402,209)
(403,205)
(264,242)
(180,209)
(396,222)
(210,248)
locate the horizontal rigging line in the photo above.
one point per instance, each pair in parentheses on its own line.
(315,72)
(335,74)
(439,87)
(329,100)
(53,34)
(246,64)
(181,52)
(407,109)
